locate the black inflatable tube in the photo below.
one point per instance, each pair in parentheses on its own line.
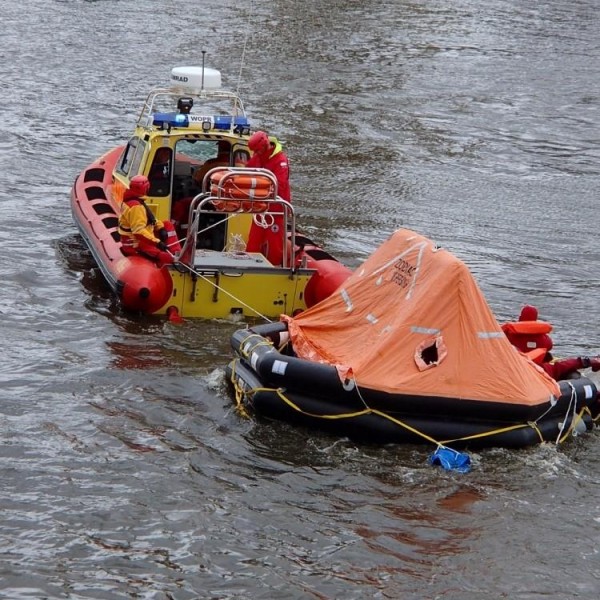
(375,429)
(322,381)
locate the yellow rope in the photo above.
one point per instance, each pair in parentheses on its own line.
(574,421)
(496,432)
(309,414)
(351,415)
(263,342)
(240,394)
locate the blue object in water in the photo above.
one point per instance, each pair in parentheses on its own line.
(451,460)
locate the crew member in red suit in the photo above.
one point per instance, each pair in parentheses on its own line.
(140,231)
(267,153)
(564,368)
(528,334)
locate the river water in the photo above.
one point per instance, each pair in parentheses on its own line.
(125,471)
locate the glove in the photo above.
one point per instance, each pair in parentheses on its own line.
(586,362)
(162,246)
(163,235)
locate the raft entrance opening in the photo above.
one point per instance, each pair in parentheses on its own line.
(430,354)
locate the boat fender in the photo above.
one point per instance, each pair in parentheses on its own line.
(142,285)
(329,276)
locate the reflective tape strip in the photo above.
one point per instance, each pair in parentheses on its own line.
(279,367)
(425,330)
(346,299)
(486,335)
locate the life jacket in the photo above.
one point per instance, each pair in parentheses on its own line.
(169,237)
(149,214)
(529,335)
(129,242)
(537,356)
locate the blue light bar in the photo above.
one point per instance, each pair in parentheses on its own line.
(204,122)
(227,121)
(173,119)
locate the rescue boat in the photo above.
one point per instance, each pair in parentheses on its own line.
(407,350)
(215,204)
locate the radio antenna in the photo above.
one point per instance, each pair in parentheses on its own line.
(243,58)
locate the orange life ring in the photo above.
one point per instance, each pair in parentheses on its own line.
(226,184)
(239,206)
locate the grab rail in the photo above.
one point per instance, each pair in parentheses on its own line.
(216,199)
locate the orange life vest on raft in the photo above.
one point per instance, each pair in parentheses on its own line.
(538,355)
(529,335)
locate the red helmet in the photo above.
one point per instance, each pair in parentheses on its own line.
(259,142)
(139,185)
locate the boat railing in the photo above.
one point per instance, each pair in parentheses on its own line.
(222,195)
(163,99)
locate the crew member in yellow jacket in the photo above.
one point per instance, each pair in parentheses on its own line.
(141,232)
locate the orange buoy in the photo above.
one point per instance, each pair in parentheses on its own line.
(241,186)
(238,206)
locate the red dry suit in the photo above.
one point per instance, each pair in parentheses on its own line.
(269,240)
(528,333)
(561,369)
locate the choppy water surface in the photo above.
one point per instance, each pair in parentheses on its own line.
(125,471)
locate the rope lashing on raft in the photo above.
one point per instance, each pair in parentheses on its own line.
(463,459)
(239,394)
(575,419)
(443,456)
(447,458)
(247,348)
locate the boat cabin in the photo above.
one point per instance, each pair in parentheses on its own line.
(181,133)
